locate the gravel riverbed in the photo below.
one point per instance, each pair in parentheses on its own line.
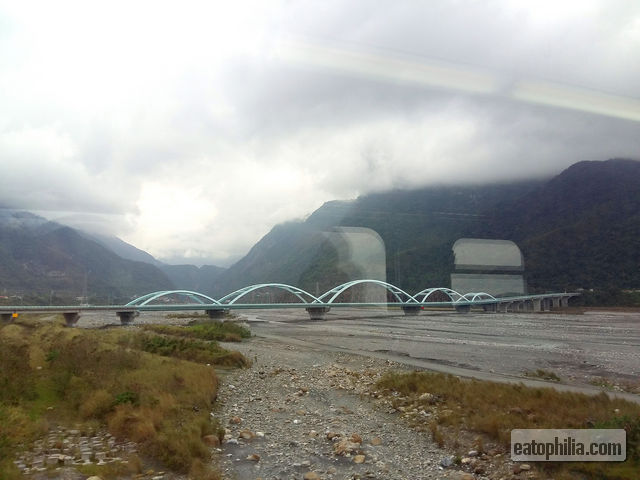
(304,413)
(304,410)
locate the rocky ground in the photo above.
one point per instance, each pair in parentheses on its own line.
(69,447)
(300,413)
(306,409)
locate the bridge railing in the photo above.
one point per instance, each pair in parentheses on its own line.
(316,306)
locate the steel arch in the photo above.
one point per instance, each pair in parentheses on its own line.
(473,296)
(447,291)
(391,288)
(232,297)
(145,299)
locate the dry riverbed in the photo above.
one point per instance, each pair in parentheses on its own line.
(307,408)
(304,413)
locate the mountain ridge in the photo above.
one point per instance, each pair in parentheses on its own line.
(43,258)
(578,229)
(546,218)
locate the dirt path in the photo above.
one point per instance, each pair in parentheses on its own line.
(301,411)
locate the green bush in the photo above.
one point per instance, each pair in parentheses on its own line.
(127,397)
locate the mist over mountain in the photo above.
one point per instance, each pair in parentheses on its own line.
(122,248)
(49,260)
(191,277)
(580,229)
(184,277)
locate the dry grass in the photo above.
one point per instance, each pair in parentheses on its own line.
(618,386)
(487,412)
(115,377)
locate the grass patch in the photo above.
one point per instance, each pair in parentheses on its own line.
(195,350)
(542,374)
(466,413)
(152,389)
(207,330)
(620,386)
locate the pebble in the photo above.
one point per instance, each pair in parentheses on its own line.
(211,440)
(63,448)
(447,461)
(321,418)
(461,476)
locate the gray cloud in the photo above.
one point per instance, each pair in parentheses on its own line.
(191,134)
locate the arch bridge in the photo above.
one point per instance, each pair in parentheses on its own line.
(316,306)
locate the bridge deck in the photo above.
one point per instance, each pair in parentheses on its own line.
(260,306)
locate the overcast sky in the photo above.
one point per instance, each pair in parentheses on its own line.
(191,128)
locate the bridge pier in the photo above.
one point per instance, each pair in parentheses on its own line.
(564,302)
(463,308)
(555,302)
(411,310)
(317,313)
(217,313)
(492,307)
(71,318)
(126,317)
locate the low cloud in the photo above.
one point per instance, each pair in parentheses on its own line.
(193,145)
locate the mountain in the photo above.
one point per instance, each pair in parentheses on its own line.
(189,277)
(123,249)
(183,277)
(417,228)
(46,259)
(279,257)
(580,229)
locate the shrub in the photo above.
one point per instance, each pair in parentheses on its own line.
(97,404)
(16,377)
(127,397)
